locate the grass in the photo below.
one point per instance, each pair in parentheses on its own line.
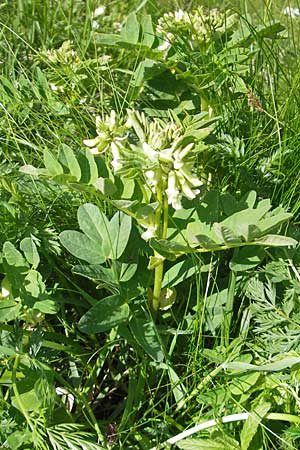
(158,374)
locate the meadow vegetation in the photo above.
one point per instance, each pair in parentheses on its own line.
(149,256)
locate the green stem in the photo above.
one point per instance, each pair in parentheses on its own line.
(90,416)
(229,309)
(16,392)
(162,228)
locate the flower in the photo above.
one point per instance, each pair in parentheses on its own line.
(149,233)
(292,12)
(99,11)
(108,131)
(167,162)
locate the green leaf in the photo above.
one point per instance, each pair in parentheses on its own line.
(267,224)
(52,164)
(131,30)
(275,240)
(277,366)
(29,249)
(105,186)
(181,271)
(92,222)
(9,310)
(178,388)
(107,39)
(79,245)
(47,306)
(88,167)
(96,272)
(119,232)
(106,314)
(147,70)
(13,256)
(18,439)
(146,334)
(252,423)
(225,235)
(215,308)
(271,30)
(68,159)
(244,382)
(246,258)
(127,271)
(29,401)
(148,35)
(169,249)
(200,444)
(34,284)
(33,171)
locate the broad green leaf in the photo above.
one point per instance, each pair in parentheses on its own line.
(148,35)
(275,240)
(13,256)
(105,186)
(244,382)
(127,271)
(52,164)
(119,232)
(180,272)
(105,315)
(250,199)
(29,401)
(9,310)
(246,258)
(200,444)
(225,235)
(271,30)
(239,222)
(107,39)
(42,83)
(92,222)
(252,423)
(126,206)
(96,272)
(146,334)
(29,249)
(33,171)
(266,225)
(79,245)
(68,159)
(33,283)
(282,364)
(169,249)
(200,233)
(131,30)
(6,351)
(18,439)
(47,306)
(88,167)
(147,70)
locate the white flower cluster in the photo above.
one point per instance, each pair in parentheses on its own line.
(200,25)
(166,158)
(161,155)
(65,54)
(292,12)
(109,134)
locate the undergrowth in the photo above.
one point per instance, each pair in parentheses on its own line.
(149,225)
